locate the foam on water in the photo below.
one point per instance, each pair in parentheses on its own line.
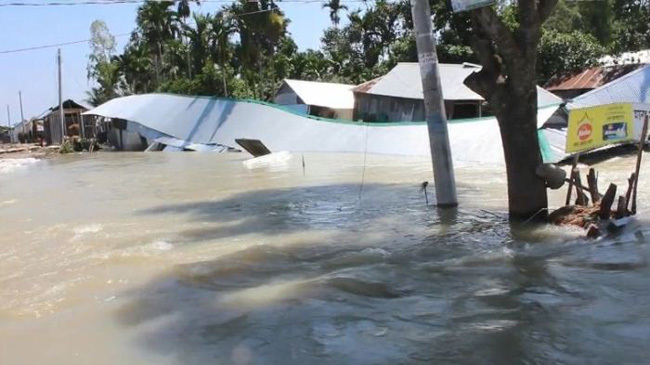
(14,164)
(81,231)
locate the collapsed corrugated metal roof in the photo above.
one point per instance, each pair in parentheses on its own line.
(590,78)
(405,81)
(325,94)
(631,88)
(221,121)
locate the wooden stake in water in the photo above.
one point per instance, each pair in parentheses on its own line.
(644,133)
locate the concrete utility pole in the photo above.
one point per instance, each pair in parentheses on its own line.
(22,116)
(443,169)
(61,116)
(11,133)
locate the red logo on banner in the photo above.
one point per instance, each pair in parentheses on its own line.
(584,132)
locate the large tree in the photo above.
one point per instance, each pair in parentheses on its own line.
(101,68)
(508,82)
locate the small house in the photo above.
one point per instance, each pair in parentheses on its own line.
(76,124)
(322,99)
(397,96)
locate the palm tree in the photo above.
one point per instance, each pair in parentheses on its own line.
(157,24)
(222,28)
(335,6)
(137,67)
(198,40)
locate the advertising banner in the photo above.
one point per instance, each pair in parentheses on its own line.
(598,126)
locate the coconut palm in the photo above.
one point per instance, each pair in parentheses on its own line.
(335,6)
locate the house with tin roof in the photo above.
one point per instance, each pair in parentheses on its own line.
(397,96)
(322,99)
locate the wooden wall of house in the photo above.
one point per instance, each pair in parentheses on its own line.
(286,96)
(379,108)
(52,125)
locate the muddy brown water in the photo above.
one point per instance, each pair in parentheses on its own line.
(183,258)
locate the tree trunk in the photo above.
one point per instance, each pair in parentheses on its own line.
(507,82)
(518,125)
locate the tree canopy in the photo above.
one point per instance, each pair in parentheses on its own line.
(244,50)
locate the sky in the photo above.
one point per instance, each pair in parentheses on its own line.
(34,72)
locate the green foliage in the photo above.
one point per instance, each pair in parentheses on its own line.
(562,53)
(67,147)
(244,50)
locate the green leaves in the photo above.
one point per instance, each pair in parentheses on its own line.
(560,53)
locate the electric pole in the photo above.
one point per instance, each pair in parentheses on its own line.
(11,133)
(22,116)
(443,168)
(61,117)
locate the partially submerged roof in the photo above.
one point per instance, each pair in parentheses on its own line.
(590,78)
(404,81)
(325,94)
(631,88)
(203,120)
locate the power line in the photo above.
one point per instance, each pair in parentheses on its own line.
(122,2)
(52,45)
(56,45)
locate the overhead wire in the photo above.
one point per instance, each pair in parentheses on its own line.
(55,45)
(122,2)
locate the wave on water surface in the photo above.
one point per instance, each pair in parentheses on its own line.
(15,164)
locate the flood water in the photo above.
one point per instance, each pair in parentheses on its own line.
(185,258)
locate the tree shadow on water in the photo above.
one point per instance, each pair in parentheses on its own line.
(281,211)
(352,298)
(282,303)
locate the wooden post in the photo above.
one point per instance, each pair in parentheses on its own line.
(574,165)
(582,198)
(644,132)
(630,187)
(592,182)
(606,203)
(621,211)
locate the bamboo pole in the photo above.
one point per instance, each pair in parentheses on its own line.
(582,198)
(574,165)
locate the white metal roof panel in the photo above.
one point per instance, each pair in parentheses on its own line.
(404,81)
(631,88)
(221,121)
(325,94)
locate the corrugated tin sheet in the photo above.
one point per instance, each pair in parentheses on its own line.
(363,88)
(546,98)
(631,88)
(208,120)
(404,81)
(325,94)
(590,78)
